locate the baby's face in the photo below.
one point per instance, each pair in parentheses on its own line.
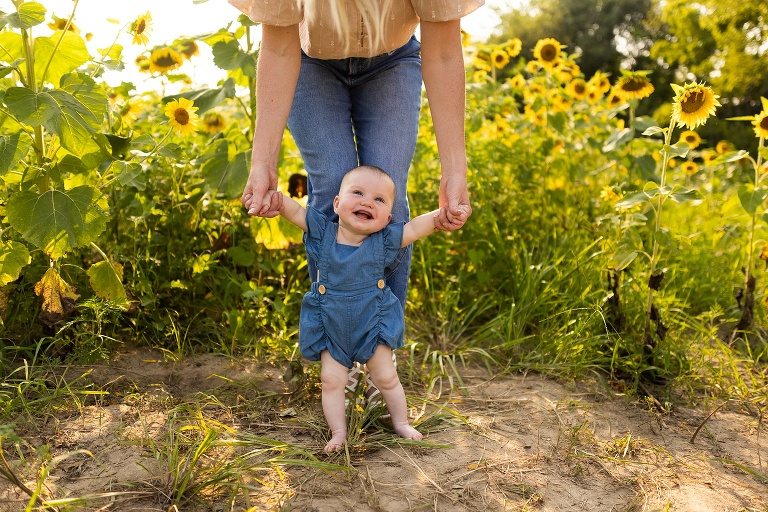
(364,203)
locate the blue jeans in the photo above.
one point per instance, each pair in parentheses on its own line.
(359,111)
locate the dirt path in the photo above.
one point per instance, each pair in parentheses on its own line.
(511,443)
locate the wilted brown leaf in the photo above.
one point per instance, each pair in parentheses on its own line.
(58,297)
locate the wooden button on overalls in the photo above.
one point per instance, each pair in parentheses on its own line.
(321,289)
(381,284)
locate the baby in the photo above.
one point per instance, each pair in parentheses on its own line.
(350,315)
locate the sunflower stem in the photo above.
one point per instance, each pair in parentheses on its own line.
(647,337)
(746,316)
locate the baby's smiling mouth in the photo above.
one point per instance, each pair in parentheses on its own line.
(361,214)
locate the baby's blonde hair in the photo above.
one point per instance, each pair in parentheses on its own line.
(374,15)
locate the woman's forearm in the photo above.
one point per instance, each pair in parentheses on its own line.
(277,72)
(443,74)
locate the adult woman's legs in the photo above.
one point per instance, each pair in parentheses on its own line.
(357,111)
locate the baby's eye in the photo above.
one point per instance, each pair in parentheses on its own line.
(358,192)
(380,199)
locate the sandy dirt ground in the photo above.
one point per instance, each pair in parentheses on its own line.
(522,442)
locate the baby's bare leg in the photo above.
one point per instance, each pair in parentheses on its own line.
(333,376)
(384,376)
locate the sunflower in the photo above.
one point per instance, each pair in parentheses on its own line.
(633,85)
(61,24)
(723,147)
(164,60)
(691,138)
(480,76)
(577,89)
(482,61)
(600,82)
(547,52)
(537,117)
(689,168)
(709,156)
(188,49)
(693,104)
(614,100)
(593,95)
(142,61)
(517,81)
(181,116)
(532,67)
(213,123)
(561,104)
(513,47)
(499,58)
(761,124)
(141,29)
(129,112)
(466,39)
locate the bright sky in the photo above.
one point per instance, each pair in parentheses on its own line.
(174,18)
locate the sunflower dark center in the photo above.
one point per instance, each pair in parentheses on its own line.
(764,123)
(579,88)
(548,52)
(690,138)
(142,27)
(181,116)
(693,102)
(634,84)
(166,61)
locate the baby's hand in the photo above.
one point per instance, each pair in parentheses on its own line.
(462,212)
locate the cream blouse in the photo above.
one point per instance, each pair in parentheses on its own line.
(320,40)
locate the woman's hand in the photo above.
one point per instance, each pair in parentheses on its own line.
(454,203)
(259,197)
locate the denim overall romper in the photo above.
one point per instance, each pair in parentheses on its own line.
(350,309)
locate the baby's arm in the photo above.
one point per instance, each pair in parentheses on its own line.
(293,212)
(423,225)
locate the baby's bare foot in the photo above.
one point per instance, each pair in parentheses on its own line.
(336,442)
(408,432)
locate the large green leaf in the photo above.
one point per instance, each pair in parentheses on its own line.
(13,149)
(226,176)
(11,46)
(681,195)
(206,99)
(89,93)
(106,279)
(28,15)
(70,55)
(29,107)
(751,198)
(58,221)
(59,111)
(130,174)
(228,55)
(618,139)
(13,257)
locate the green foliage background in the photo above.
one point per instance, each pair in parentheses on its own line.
(114,228)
